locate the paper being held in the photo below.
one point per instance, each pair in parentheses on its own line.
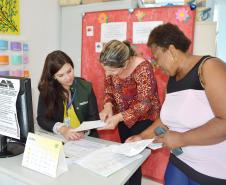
(134,148)
(87,125)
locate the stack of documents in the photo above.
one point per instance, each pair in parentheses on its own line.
(107,160)
(104,162)
(75,150)
(101,159)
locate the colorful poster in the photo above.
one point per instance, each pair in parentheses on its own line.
(14,57)
(9,17)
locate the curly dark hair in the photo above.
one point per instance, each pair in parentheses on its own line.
(166,34)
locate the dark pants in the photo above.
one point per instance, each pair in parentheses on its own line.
(179,173)
(93,133)
(124,133)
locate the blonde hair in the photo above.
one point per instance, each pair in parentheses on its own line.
(115,53)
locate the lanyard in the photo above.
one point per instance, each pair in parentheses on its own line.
(70,103)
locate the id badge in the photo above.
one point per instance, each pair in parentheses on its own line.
(67,121)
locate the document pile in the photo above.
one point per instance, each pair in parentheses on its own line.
(106,160)
(74,150)
(101,159)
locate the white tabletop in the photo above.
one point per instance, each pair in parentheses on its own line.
(12,171)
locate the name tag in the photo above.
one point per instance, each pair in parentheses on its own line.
(83,103)
(67,121)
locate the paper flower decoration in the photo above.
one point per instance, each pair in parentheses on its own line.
(102,18)
(140,15)
(182,15)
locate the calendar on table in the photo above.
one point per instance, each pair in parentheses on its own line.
(44,155)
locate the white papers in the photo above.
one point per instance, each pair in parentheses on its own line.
(169,1)
(74,150)
(9,89)
(87,125)
(131,149)
(134,148)
(113,30)
(159,3)
(104,162)
(141,31)
(155,146)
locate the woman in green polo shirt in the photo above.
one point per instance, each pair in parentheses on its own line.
(65,101)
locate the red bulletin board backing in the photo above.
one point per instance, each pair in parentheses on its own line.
(183,16)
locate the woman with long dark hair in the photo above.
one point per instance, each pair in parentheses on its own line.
(65,101)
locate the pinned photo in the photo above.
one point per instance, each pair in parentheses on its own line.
(99,47)
(89,31)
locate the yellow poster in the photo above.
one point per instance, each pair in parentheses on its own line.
(9,17)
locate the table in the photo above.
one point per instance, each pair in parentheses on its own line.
(12,173)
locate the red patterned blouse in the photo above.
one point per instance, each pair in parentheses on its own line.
(135,96)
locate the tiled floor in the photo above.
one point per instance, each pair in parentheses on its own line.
(146,181)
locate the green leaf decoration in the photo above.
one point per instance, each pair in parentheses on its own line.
(8,11)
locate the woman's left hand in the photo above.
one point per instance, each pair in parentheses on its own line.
(170,139)
(112,122)
(69,134)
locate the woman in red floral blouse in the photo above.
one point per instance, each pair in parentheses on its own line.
(131,99)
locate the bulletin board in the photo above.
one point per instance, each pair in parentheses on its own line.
(91,69)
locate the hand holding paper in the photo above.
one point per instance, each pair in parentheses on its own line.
(112,122)
(87,125)
(134,148)
(70,134)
